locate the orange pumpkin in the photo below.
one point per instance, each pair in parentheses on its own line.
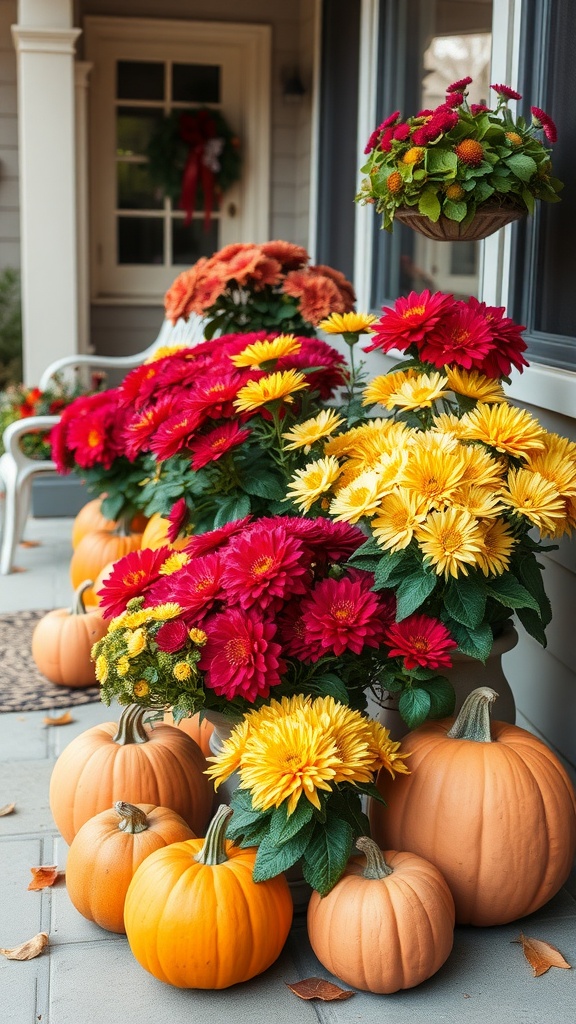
(63,639)
(492,808)
(129,760)
(195,918)
(91,518)
(108,849)
(155,534)
(96,550)
(200,731)
(387,924)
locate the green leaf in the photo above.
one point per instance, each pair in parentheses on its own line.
(442,697)
(326,854)
(235,506)
(412,593)
(414,706)
(465,600)
(284,828)
(483,191)
(532,624)
(530,572)
(524,167)
(264,485)
(439,160)
(429,206)
(370,548)
(388,562)
(509,592)
(347,805)
(331,685)
(454,211)
(272,859)
(476,643)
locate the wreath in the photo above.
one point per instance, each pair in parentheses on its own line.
(194,156)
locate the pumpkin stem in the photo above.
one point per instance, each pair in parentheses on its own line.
(78,606)
(473,721)
(376,866)
(132,818)
(124,523)
(131,725)
(214,849)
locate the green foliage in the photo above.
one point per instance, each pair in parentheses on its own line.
(10,328)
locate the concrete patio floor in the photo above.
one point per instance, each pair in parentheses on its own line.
(88,976)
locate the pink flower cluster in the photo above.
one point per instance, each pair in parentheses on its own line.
(439,329)
(272,597)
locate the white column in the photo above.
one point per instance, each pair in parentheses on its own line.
(82,69)
(44,41)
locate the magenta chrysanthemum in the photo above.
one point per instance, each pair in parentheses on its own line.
(463,337)
(240,657)
(459,85)
(264,568)
(131,576)
(545,122)
(178,518)
(196,587)
(202,543)
(409,320)
(172,636)
(422,641)
(342,615)
(506,92)
(507,341)
(214,445)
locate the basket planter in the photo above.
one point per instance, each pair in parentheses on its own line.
(487,220)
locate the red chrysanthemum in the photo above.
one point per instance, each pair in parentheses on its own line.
(214,445)
(342,615)
(131,576)
(292,631)
(409,320)
(479,108)
(329,366)
(175,433)
(196,587)
(172,635)
(143,426)
(214,395)
(463,337)
(264,568)
(178,518)
(386,140)
(454,99)
(459,85)
(202,543)
(325,540)
(421,641)
(240,658)
(506,92)
(507,341)
(442,120)
(402,132)
(96,436)
(545,122)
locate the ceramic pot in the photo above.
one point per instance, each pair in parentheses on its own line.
(487,219)
(466,675)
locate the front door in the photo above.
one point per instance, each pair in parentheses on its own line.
(143,72)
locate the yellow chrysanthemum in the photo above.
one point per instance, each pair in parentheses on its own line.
(398,516)
(123,665)
(141,688)
(274,387)
(263,351)
(135,642)
(182,671)
(447,423)
(287,760)
(312,482)
(534,498)
(176,561)
(227,760)
(378,391)
(350,733)
(197,636)
(419,392)
(131,620)
(303,435)
(556,463)
(386,752)
(359,498)
(348,323)
(474,385)
(101,668)
(479,467)
(163,351)
(450,540)
(481,502)
(497,544)
(505,428)
(431,475)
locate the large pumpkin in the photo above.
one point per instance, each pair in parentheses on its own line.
(155,534)
(492,808)
(200,731)
(195,918)
(96,550)
(129,761)
(108,849)
(91,518)
(387,924)
(62,641)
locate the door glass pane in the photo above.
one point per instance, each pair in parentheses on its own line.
(140,240)
(429,51)
(134,129)
(191,242)
(135,190)
(139,80)
(196,83)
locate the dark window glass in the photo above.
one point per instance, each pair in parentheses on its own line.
(139,80)
(191,242)
(140,240)
(135,190)
(134,128)
(464,258)
(196,83)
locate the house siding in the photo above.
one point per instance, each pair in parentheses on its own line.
(9,194)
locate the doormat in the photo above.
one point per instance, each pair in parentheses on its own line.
(22,686)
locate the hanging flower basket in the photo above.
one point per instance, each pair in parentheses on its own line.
(194,156)
(487,219)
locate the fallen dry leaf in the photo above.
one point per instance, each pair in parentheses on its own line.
(541,955)
(318,988)
(30,543)
(43,877)
(7,809)
(28,950)
(64,719)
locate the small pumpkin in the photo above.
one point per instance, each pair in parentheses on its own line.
(91,518)
(200,731)
(129,760)
(108,849)
(490,805)
(62,641)
(388,923)
(195,918)
(155,534)
(97,549)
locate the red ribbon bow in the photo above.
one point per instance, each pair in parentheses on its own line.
(196,130)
